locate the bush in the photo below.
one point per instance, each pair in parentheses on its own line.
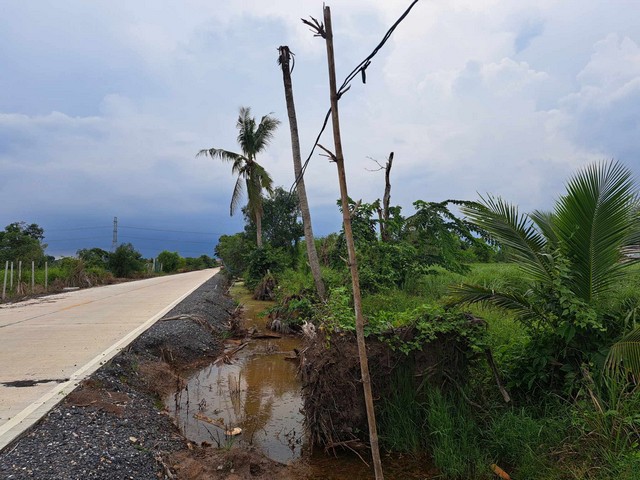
(126,261)
(170,261)
(518,440)
(265,260)
(94,257)
(234,251)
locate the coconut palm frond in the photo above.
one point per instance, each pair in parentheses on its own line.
(624,355)
(594,222)
(510,228)
(247,133)
(264,132)
(519,303)
(236,196)
(263,178)
(223,155)
(544,221)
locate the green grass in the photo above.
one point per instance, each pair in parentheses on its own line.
(454,438)
(401,414)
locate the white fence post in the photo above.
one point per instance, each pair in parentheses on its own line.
(19,277)
(4,284)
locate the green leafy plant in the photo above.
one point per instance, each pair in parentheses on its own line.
(126,261)
(573,258)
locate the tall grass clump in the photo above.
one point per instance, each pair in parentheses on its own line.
(401,414)
(522,442)
(454,438)
(606,418)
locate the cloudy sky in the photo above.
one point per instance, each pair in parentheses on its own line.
(103,105)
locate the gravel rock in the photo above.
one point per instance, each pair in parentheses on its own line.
(111,426)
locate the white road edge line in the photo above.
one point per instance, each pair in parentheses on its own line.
(13,428)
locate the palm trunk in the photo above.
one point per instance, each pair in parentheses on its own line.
(312,254)
(259,229)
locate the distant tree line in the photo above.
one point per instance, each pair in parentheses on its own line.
(22,243)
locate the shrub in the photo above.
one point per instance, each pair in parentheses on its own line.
(265,260)
(171,261)
(126,261)
(234,251)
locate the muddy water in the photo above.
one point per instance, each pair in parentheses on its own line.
(258,392)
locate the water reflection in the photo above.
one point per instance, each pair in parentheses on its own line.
(259,393)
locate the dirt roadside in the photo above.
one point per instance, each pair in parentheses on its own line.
(113,426)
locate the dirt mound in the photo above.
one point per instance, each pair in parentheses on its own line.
(92,394)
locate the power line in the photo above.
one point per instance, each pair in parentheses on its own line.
(360,69)
(174,240)
(173,231)
(131,227)
(72,239)
(76,228)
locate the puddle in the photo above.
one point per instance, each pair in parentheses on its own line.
(258,392)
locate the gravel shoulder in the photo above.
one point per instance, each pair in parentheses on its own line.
(114,426)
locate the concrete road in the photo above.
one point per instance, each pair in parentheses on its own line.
(49,344)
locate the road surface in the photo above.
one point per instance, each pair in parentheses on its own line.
(49,344)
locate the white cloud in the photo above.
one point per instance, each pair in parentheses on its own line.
(603,113)
(108,102)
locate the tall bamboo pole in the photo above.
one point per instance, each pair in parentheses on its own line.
(355,281)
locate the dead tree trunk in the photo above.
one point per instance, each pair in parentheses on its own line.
(386,200)
(312,254)
(346,217)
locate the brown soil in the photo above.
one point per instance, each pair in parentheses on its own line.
(91,394)
(235,464)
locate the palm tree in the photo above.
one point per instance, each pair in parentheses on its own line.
(251,175)
(572,256)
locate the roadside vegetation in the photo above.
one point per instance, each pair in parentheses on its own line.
(501,343)
(26,269)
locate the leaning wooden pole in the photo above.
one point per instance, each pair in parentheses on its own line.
(346,218)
